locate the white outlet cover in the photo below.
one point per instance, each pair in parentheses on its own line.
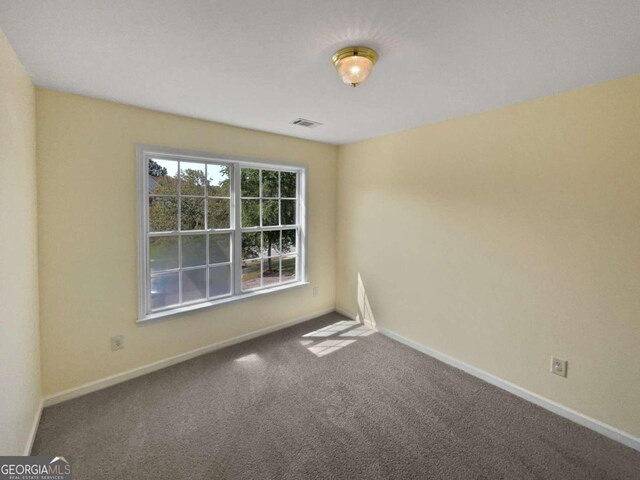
(117,342)
(559,366)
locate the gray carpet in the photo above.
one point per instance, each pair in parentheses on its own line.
(342,402)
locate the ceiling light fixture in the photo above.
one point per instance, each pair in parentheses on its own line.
(354,64)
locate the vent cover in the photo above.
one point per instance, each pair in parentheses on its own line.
(303,122)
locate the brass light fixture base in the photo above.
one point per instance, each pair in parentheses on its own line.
(365,52)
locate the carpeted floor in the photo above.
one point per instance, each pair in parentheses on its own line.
(315,402)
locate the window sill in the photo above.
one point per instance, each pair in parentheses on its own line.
(220,301)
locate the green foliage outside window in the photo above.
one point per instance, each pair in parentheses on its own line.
(261,191)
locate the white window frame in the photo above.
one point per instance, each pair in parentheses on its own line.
(146,152)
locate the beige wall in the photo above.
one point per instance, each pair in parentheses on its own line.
(505,237)
(87,221)
(19,335)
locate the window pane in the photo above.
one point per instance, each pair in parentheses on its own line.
(220,248)
(288,241)
(250,245)
(250,274)
(163,253)
(194,285)
(163,214)
(163,177)
(164,290)
(288,268)
(269,183)
(270,213)
(219,280)
(270,271)
(192,178)
(192,213)
(288,212)
(288,187)
(218,213)
(271,243)
(218,180)
(250,213)
(250,182)
(194,250)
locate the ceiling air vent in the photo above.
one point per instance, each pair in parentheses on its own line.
(305,123)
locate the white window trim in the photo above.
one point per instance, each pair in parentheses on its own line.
(143,153)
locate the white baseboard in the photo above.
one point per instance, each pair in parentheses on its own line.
(344,313)
(167,362)
(33,430)
(566,412)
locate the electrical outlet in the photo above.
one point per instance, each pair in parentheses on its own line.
(559,366)
(316,291)
(117,342)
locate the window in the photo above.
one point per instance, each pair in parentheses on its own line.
(216,229)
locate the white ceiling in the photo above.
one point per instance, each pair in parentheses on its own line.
(263,63)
